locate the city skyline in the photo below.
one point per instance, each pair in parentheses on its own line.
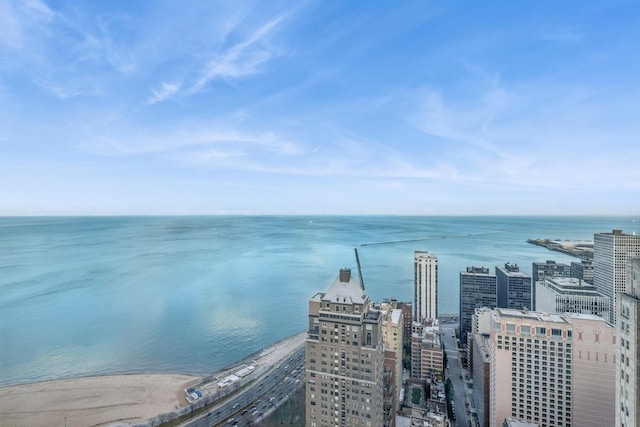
(310,107)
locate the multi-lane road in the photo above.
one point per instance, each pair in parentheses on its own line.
(265,393)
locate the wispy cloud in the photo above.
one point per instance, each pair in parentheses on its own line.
(240,60)
(116,138)
(21,22)
(61,91)
(562,35)
(165,91)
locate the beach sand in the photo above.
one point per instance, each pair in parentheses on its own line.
(92,401)
(104,400)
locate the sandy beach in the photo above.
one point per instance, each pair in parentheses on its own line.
(105,400)
(92,401)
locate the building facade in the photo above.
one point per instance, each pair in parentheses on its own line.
(567,294)
(425,274)
(344,357)
(392,332)
(407,316)
(478,288)
(582,270)
(610,254)
(514,288)
(427,354)
(481,374)
(541,270)
(550,369)
(628,331)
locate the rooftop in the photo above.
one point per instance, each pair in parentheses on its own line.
(526,314)
(571,285)
(583,316)
(345,290)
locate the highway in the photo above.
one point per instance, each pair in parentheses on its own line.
(455,373)
(269,390)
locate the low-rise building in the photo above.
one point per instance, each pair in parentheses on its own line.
(542,270)
(568,294)
(427,354)
(583,270)
(424,418)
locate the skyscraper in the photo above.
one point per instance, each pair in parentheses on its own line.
(425,272)
(478,288)
(610,254)
(514,288)
(344,357)
(392,327)
(628,332)
(552,369)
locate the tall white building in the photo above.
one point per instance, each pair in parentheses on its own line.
(610,254)
(344,357)
(628,331)
(551,369)
(425,272)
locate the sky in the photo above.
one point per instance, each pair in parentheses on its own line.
(319,107)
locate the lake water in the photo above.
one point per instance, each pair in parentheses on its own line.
(99,295)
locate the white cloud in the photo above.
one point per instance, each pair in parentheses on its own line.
(59,90)
(21,22)
(240,60)
(165,92)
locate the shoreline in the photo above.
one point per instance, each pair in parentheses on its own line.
(114,398)
(93,401)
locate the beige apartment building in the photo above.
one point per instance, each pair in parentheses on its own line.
(551,369)
(344,357)
(392,333)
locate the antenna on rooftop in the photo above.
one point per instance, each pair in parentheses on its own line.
(359,269)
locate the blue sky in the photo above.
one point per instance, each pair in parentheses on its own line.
(319,107)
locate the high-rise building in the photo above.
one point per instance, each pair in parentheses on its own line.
(610,254)
(425,271)
(514,288)
(628,332)
(478,288)
(568,294)
(582,270)
(407,316)
(541,270)
(481,374)
(551,369)
(392,328)
(344,357)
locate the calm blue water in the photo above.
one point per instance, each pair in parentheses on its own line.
(98,295)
